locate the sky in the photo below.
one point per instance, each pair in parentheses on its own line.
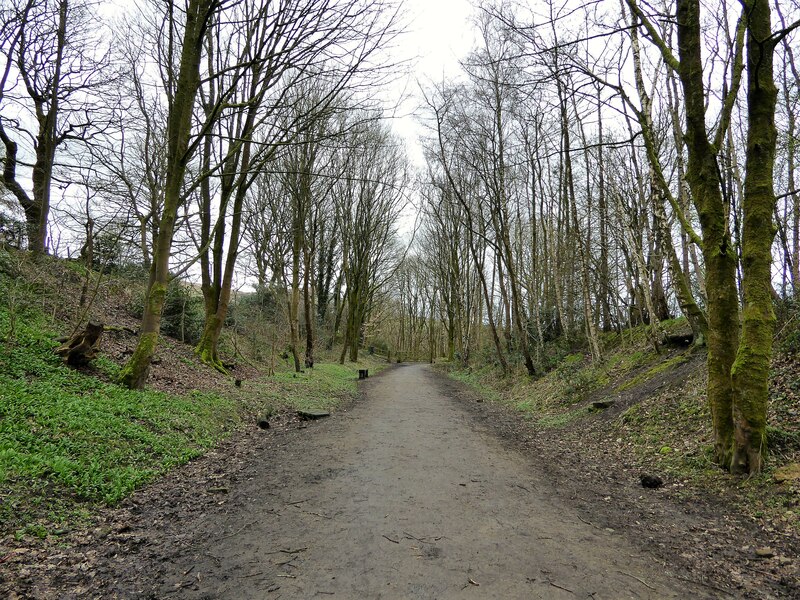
(439,34)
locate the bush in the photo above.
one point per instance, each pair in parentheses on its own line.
(183,315)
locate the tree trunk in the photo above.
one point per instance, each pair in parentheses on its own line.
(179,122)
(751,369)
(718,251)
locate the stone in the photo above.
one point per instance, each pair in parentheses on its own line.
(764,552)
(651,481)
(310,415)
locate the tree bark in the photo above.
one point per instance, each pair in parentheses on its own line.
(179,123)
(751,369)
(720,257)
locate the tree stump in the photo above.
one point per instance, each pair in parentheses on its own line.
(81,347)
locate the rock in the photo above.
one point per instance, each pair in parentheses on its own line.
(764,552)
(602,404)
(310,415)
(790,472)
(651,481)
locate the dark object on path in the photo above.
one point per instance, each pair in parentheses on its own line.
(237,382)
(81,347)
(310,415)
(601,404)
(263,422)
(651,481)
(363,373)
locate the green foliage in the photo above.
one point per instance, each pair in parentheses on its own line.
(322,387)
(662,367)
(579,377)
(12,231)
(782,439)
(559,420)
(64,433)
(183,315)
(263,304)
(789,341)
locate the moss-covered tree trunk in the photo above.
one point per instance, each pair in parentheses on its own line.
(702,176)
(179,122)
(308,306)
(751,369)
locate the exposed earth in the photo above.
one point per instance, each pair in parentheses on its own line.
(415,491)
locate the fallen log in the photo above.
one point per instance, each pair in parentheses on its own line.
(82,347)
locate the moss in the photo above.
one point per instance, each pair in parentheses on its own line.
(661,367)
(561,420)
(133,374)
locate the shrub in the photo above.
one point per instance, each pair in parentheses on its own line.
(183,315)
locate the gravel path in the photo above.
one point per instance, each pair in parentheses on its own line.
(404,496)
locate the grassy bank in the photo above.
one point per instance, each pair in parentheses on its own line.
(73,440)
(658,420)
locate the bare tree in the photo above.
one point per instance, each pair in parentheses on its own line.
(53,64)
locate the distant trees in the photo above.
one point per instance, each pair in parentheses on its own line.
(245,79)
(588,174)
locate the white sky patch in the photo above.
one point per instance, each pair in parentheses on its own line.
(440,34)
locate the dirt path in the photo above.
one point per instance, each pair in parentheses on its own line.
(403,497)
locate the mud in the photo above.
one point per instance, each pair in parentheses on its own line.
(405,496)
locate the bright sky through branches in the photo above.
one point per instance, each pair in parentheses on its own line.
(440,34)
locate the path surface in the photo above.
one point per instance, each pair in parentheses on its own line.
(405,496)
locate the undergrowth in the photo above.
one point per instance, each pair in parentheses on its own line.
(660,422)
(73,440)
(66,434)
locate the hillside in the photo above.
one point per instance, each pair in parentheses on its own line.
(73,442)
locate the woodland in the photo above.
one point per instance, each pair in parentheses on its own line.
(595,168)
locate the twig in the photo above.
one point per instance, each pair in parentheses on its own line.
(286,575)
(390,539)
(585,521)
(237,532)
(555,585)
(421,540)
(647,585)
(708,585)
(287,551)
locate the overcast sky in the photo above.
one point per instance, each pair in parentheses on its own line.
(439,34)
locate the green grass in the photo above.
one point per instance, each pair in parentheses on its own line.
(324,387)
(556,421)
(67,437)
